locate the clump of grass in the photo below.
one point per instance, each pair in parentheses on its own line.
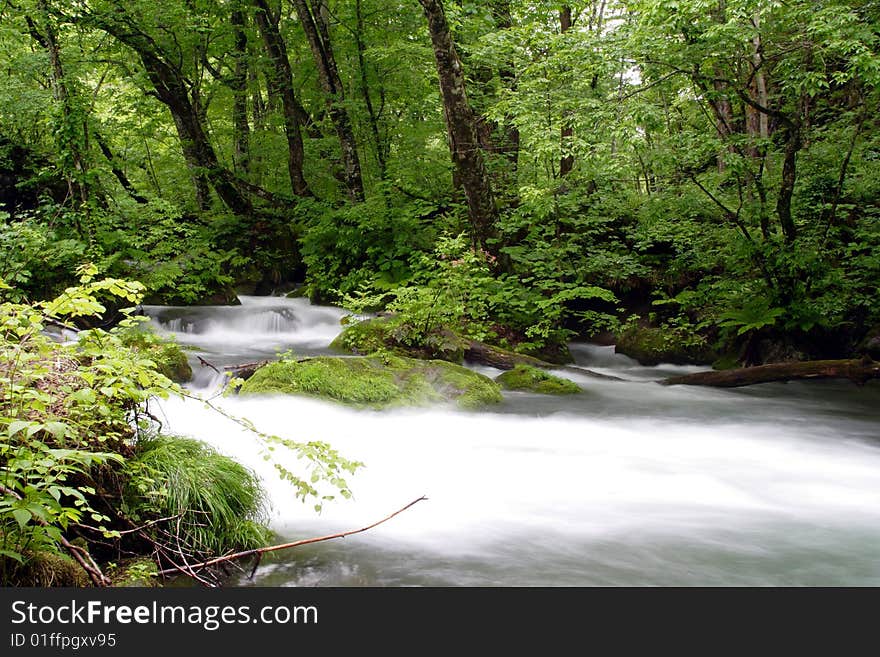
(220,503)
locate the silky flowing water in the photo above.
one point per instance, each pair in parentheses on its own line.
(627,484)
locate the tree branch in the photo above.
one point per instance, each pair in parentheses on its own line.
(284,546)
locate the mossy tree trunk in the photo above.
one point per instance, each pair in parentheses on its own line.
(462,127)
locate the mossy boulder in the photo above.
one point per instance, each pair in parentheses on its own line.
(531,379)
(140,572)
(393,335)
(389,334)
(870,344)
(170,359)
(46,569)
(378,381)
(652,346)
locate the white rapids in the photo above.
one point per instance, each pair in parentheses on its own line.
(628,483)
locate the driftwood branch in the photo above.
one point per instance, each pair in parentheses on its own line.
(205,363)
(259,552)
(856,370)
(245,370)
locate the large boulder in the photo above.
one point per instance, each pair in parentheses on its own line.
(388,334)
(378,381)
(652,346)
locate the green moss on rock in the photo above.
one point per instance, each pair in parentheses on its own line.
(377,381)
(170,359)
(390,334)
(653,345)
(46,569)
(531,379)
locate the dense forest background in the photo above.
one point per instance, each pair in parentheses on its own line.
(693,180)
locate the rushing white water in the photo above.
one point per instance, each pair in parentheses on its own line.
(628,483)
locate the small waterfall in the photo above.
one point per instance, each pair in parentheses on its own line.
(265,325)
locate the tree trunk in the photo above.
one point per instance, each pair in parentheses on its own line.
(461,124)
(566,162)
(72,150)
(510,137)
(279,79)
(378,143)
(241,129)
(315,26)
(118,173)
(789,176)
(859,371)
(172,89)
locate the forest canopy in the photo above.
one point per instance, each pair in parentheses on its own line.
(692,180)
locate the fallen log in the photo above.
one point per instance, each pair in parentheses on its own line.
(856,370)
(245,370)
(503,359)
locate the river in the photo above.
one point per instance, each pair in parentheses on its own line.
(627,484)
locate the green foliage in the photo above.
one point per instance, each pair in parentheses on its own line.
(34,258)
(73,423)
(371,244)
(64,413)
(170,360)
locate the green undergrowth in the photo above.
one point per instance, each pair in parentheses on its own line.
(377,381)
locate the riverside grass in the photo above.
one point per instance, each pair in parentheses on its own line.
(220,502)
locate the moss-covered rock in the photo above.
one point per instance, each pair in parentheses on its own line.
(652,346)
(139,572)
(377,381)
(390,334)
(45,569)
(170,359)
(531,379)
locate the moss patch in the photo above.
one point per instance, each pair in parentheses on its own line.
(170,359)
(377,381)
(45,569)
(652,346)
(392,335)
(523,377)
(140,572)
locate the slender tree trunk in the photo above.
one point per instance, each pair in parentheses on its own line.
(241,129)
(461,124)
(789,176)
(118,173)
(171,89)
(314,22)
(566,162)
(74,125)
(510,137)
(373,117)
(279,80)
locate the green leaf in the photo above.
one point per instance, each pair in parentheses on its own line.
(22,517)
